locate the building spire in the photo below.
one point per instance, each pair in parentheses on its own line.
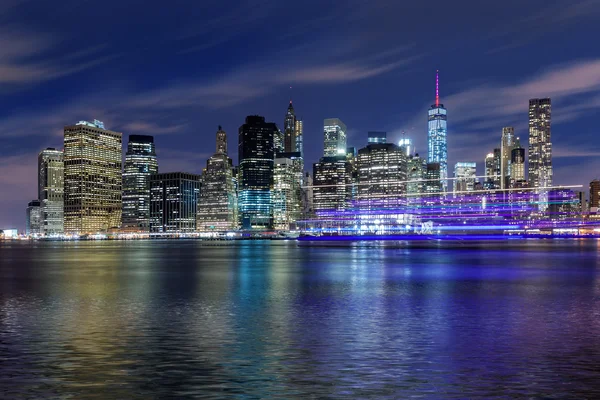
(437,88)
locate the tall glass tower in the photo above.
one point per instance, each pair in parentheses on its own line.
(140,163)
(256,154)
(334,131)
(540,144)
(437,147)
(51,171)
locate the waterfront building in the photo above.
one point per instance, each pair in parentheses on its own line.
(433,184)
(407,145)
(437,148)
(334,137)
(381,176)
(287,190)
(492,170)
(377,137)
(517,165)
(255,179)
(540,148)
(416,175)
(563,204)
(332,185)
(92,178)
(217,204)
(140,163)
(506,146)
(594,201)
(465,174)
(174,202)
(34,218)
(51,190)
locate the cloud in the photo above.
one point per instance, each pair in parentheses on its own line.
(150,128)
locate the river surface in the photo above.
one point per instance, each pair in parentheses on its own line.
(259,319)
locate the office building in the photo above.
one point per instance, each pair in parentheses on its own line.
(334,137)
(51,190)
(407,145)
(292,132)
(540,148)
(377,137)
(563,204)
(287,190)
(307,196)
(506,146)
(92,178)
(433,183)
(332,185)
(517,165)
(174,202)
(381,176)
(140,163)
(594,201)
(256,157)
(465,178)
(299,131)
(492,170)
(34,219)
(437,148)
(217,204)
(416,175)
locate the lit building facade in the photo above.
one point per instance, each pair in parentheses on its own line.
(217,205)
(377,137)
(51,191)
(465,174)
(34,218)
(381,177)
(517,165)
(332,185)
(506,147)
(416,175)
(92,178)
(433,183)
(594,201)
(407,145)
(540,148)
(140,163)
(255,178)
(287,190)
(437,145)
(492,170)
(334,137)
(174,202)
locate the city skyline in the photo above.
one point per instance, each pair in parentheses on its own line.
(370,84)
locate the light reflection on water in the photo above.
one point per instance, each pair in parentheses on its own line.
(273,319)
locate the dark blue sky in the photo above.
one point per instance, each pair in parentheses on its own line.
(179,69)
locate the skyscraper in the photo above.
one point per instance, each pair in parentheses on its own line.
(594,204)
(437,148)
(416,175)
(465,174)
(377,137)
(334,137)
(92,179)
(299,131)
(332,188)
(492,170)
(287,190)
(507,144)
(174,202)
(407,145)
(256,156)
(517,165)
(217,205)
(34,218)
(433,184)
(289,129)
(51,190)
(540,148)
(140,163)
(381,179)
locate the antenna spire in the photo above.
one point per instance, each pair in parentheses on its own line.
(437,88)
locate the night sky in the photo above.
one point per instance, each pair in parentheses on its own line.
(178,69)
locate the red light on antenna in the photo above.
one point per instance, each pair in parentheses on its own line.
(437,88)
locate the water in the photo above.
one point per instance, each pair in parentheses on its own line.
(182,319)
